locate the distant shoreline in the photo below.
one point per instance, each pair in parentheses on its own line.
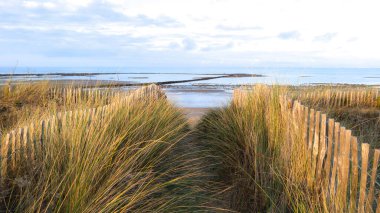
(64,74)
(129,83)
(93,83)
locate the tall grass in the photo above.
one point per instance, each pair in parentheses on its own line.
(260,159)
(18,102)
(142,156)
(124,161)
(22,103)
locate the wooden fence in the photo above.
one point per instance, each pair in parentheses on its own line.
(84,95)
(340,97)
(26,143)
(340,168)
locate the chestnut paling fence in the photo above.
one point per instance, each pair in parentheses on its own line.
(26,143)
(83,95)
(341,97)
(341,169)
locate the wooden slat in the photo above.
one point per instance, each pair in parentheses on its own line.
(330,145)
(354,174)
(6,155)
(351,96)
(20,141)
(32,133)
(305,127)
(357,98)
(341,169)
(363,177)
(345,166)
(311,128)
(371,193)
(335,99)
(339,98)
(344,98)
(14,141)
(362,98)
(26,139)
(315,150)
(335,160)
(322,146)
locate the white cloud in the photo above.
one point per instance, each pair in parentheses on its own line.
(35,5)
(75,4)
(31,4)
(49,5)
(324,29)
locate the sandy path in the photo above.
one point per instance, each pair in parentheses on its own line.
(194,114)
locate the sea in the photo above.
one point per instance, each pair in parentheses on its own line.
(203,93)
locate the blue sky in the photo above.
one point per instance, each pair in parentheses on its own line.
(191,33)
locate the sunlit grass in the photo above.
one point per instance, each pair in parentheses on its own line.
(260,166)
(124,161)
(21,103)
(142,156)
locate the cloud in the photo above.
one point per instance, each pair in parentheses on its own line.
(76,4)
(204,30)
(325,37)
(237,28)
(189,44)
(161,21)
(30,4)
(353,39)
(289,35)
(218,47)
(72,5)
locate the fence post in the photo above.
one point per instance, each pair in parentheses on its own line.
(363,177)
(373,179)
(354,175)
(335,161)
(33,142)
(330,145)
(14,149)
(345,166)
(26,138)
(322,146)
(340,177)
(6,157)
(350,103)
(311,128)
(306,119)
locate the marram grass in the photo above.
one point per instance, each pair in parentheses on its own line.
(22,103)
(124,161)
(142,157)
(257,166)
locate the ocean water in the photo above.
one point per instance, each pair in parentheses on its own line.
(217,94)
(291,76)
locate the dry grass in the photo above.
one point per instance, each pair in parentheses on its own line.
(125,161)
(364,123)
(143,157)
(258,167)
(19,102)
(22,103)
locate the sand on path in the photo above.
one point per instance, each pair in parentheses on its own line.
(194,114)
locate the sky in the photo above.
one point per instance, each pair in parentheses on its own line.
(190,33)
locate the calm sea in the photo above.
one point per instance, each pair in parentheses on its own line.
(292,76)
(194,94)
